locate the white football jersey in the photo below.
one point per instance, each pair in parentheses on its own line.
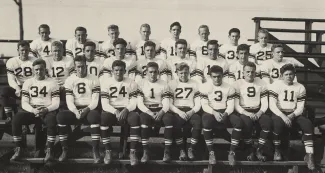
(184,93)
(172,63)
(270,69)
(131,66)
(204,65)
(138,47)
(200,48)
(229,52)
(60,70)
(163,68)
(153,93)
(40,48)
(95,66)
(167,47)
(260,53)
(73,47)
(22,70)
(236,72)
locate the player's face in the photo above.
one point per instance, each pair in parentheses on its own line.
(234,37)
(118,72)
(262,38)
(39,71)
(113,34)
(183,75)
(44,33)
(81,68)
(213,51)
(242,56)
(145,33)
(81,36)
(181,50)
(89,52)
(23,51)
(249,73)
(278,54)
(216,78)
(152,74)
(175,31)
(288,76)
(57,52)
(150,52)
(120,50)
(204,34)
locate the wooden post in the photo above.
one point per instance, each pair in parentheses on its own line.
(21,23)
(318,48)
(308,27)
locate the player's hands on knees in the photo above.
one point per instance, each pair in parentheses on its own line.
(78,114)
(159,115)
(36,112)
(43,111)
(291,116)
(183,115)
(123,114)
(18,92)
(217,116)
(190,113)
(84,112)
(286,120)
(258,115)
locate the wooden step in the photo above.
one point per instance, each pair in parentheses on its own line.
(294,30)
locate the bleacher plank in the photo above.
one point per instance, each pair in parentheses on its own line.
(293,42)
(288,19)
(294,30)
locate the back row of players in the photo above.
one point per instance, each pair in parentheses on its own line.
(169,90)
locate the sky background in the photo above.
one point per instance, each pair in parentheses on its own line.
(63,16)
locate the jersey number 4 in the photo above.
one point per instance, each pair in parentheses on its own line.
(46,50)
(179,91)
(37,92)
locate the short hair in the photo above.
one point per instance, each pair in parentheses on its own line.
(145,25)
(181,41)
(119,63)
(39,62)
(45,26)
(243,47)
(149,43)
(57,44)
(236,30)
(113,27)
(181,66)
(287,67)
(80,28)
(152,64)
(89,43)
(216,69)
(23,43)
(274,46)
(80,58)
(250,64)
(120,41)
(213,42)
(203,26)
(175,24)
(264,31)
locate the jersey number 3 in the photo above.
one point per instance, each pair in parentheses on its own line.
(36,92)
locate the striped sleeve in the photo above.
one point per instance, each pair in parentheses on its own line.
(232,94)
(264,92)
(302,94)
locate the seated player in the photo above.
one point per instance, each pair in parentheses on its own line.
(75,46)
(94,62)
(40,100)
(19,69)
(41,47)
(236,69)
(181,49)
(217,100)
(261,50)
(229,50)
(82,96)
(199,46)
(119,100)
(150,56)
(212,58)
(185,104)
(153,102)
(120,54)
(251,104)
(287,101)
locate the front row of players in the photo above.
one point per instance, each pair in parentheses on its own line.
(176,105)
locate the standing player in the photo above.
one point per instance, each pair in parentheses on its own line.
(204,64)
(82,96)
(120,54)
(229,50)
(150,56)
(41,47)
(217,100)
(287,101)
(261,50)
(119,100)
(153,102)
(75,46)
(40,100)
(200,46)
(185,103)
(251,104)
(19,69)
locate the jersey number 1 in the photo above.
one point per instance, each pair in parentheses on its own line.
(286,96)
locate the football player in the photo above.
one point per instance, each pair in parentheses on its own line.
(229,50)
(120,50)
(287,102)
(261,50)
(200,45)
(75,46)
(40,100)
(94,63)
(217,100)
(185,104)
(153,102)
(119,100)
(150,56)
(251,104)
(82,96)
(41,47)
